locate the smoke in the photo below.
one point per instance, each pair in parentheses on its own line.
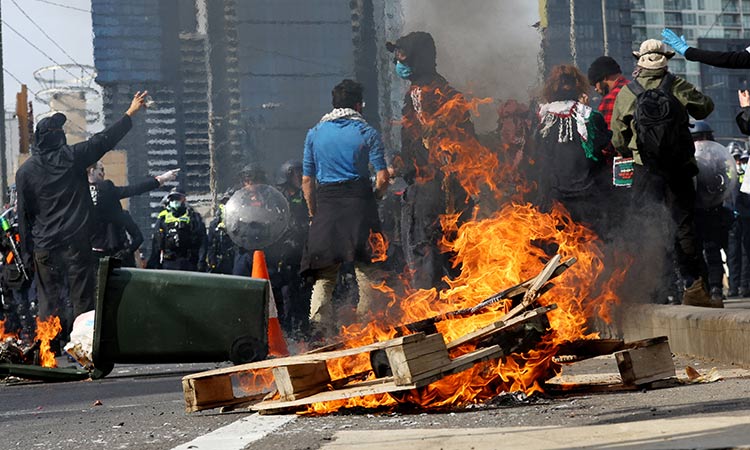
(487,48)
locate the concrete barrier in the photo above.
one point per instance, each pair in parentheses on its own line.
(721,334)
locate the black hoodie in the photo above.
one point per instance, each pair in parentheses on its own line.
(54,203)
(428,92)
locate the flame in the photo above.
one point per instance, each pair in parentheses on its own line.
(46,330)
(379,246)
(6,334)
(499,247)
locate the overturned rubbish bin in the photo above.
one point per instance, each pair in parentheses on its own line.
(165,316)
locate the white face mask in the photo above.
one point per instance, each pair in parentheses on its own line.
(174,204)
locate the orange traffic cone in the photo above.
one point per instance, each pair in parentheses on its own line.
(276,343)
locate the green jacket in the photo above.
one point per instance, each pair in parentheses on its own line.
(698,105)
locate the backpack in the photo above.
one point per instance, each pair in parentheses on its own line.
(661,126)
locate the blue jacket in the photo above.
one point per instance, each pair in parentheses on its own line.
(340,150)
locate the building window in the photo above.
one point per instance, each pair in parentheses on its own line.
(672,19)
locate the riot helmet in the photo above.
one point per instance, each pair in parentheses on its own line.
(701,131)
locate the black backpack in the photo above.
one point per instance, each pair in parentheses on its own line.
(661,125)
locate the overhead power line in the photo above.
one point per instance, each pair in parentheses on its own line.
(38,49)
(50,38)
(65,6)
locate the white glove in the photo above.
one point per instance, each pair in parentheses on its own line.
(169,175)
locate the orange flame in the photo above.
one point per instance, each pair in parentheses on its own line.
(6,334)
(500,250)
(46,330)
(379,246)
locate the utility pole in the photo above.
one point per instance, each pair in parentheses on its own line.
(604,27)
(3,156)
(573,54)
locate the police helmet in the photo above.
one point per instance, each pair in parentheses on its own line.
(287,169)
(176,193)
(701,130)
(745,155)
(253,173)
(735,149)
(226,195)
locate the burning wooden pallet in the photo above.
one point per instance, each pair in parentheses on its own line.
(399,364)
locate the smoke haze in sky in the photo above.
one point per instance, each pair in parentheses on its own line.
(484,47)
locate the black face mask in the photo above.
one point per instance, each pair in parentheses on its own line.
(604,88)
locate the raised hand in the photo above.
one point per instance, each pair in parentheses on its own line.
(676,42)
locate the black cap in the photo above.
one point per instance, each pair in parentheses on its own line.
(53,122)
(601,68)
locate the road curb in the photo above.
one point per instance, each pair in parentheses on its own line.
(720,334)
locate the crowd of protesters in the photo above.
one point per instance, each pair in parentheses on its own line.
(627,164)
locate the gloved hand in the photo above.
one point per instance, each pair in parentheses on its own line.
(676,42)
(169,175)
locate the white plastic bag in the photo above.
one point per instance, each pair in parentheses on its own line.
(81,345)
(745,186)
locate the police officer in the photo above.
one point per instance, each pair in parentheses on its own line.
(221,249)
(712,220)
(179,240)
(291,290)
(739,233)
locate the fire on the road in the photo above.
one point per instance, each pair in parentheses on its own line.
(46,330)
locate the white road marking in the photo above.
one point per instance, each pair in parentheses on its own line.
(239,434)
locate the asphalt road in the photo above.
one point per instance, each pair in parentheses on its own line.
(142,408)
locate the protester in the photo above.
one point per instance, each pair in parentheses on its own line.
(179,240)
(739,234)
(109,223)
(429,194)
(743,118)
(664,157)
(221,250)
(569,156)
(54,209)
(712,219)
(341,202)
(606,77)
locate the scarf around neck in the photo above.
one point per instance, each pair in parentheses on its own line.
(342,113)
(564,114)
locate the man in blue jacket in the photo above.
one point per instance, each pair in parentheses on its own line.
(341,201)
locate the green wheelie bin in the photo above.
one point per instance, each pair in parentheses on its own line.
(165,316)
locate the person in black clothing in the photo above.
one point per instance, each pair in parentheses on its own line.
(432,190)
(108,236)
(179,240)
(739,233)
(291,290)
(221,249)
(727,60)
(54,209)
(130,238)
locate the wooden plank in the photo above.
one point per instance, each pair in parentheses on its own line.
(301,380)
(499,326)
(645,364)
(533,292)
(410,360)
(383,385)
(308,358)
(206,391)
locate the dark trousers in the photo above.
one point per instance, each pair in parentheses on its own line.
(712,228)
(74,262)
(179,264)
(651,190)
(737,255)
(422,205)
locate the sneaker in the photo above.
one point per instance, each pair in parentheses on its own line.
(696,295)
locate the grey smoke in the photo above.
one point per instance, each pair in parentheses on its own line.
(486,47)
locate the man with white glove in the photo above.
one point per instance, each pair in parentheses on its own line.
(109,223)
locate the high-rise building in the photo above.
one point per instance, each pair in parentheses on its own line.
(599,27)
(245,78)
(709,24)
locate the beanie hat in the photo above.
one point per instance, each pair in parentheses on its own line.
(601,68)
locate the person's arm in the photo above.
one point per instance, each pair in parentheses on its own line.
(602,134)
(698,105)
(131,190)
(622,116)
(25,223)
(200,240)
(377,160)
(727,60)
(136,237)
(156,241)
(90,151)
(308,174)
(743,118)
